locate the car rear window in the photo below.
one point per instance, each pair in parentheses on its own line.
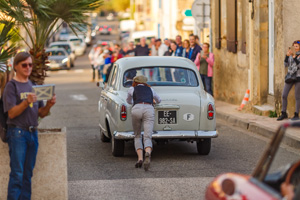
(66,47)
(56,53)
(163,76)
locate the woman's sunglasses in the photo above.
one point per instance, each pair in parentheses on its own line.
(24,65)
(298,42)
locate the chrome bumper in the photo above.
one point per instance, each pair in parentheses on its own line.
(170,135)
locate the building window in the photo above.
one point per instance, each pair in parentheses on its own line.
(231,12)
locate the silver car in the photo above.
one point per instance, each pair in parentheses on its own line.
(186,112)
(68,47)
(58,59)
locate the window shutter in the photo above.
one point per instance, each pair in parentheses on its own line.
(244,14)
(218,24)
(231,8)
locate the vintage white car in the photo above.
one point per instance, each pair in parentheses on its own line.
(186,112)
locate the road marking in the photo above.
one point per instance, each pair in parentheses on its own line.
(79,97)
(78,70)
(62,72)
(153,188)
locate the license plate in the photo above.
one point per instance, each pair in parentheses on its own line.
(167,117)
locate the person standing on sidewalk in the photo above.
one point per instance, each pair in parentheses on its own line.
(194,48)
(23,112)
(93,59)
(204,62)
(142,96)
(142,49)
(292,61)
(179,49)
(186,48)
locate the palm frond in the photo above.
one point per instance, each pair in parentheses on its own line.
(7,34)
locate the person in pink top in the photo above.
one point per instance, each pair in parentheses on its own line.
(204,62)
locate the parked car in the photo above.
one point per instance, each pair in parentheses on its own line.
(64,34)
(58,58)
(78,43)
(261,184)
(105,30)
(68,47)
(186,112)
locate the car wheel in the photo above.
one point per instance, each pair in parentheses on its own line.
(117,147)
(203,146)
(103,137)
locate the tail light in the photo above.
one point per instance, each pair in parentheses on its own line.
(109,29)
(210,112)
(100,29)
(123,113)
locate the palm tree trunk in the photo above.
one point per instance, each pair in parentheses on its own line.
(40,59)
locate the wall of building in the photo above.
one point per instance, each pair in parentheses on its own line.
(230,69)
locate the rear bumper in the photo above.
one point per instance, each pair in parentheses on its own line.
(170,135)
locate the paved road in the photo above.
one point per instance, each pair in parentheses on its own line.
(176,172)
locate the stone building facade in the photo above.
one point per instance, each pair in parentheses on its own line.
(250,41)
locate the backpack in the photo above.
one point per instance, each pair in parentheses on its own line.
(3,119)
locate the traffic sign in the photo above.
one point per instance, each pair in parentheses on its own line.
(201,11)
(188,12)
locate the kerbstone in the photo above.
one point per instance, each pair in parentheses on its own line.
(50,178)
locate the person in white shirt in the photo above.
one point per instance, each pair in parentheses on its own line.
(93,55)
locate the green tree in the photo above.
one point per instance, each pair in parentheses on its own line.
(8,39)
(39,18)
(116,5)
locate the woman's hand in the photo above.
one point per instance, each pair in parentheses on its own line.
(287,190)
(289,53)
(204,56)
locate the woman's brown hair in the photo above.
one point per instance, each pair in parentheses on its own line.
(21,57)
(187,41)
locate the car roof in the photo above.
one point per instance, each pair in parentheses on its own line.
(60,43)
(56,49)
(147,61)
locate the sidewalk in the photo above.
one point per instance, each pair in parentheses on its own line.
(256,124)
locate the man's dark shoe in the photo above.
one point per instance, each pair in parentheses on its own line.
(282,116)
(139,164)
(296,116)
(147,161)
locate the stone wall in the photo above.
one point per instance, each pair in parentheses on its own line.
(230,69)
(50,179)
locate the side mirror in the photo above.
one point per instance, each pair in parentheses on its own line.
(101,85)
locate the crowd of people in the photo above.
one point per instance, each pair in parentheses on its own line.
(103,56)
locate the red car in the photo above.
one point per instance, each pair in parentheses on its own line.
(260,185)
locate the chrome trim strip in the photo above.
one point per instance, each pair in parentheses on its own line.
(170,135)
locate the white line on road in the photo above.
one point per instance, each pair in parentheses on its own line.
(153,188)
(78,70)
(79,97)
(62,72)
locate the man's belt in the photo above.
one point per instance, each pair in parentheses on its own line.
(29,128)
(145,103)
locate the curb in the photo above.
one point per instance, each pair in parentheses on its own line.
(256,128)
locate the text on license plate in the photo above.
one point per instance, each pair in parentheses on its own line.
(167,117)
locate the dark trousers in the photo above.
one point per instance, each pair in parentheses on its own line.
(23,148)
(207,83)
(94,73)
